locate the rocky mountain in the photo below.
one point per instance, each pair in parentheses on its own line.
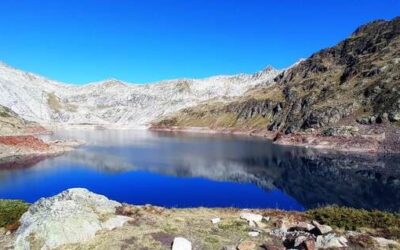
(355,82)
(12,124)
(113,102)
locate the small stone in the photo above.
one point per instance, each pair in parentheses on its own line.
(322,229)
(181,244)
(246,245)
(251,217)
(8,233)
(216,220)
(254,234)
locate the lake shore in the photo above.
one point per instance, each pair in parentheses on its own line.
(14,148)
(99,223)
(382,142)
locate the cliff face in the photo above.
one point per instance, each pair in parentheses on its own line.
(354,82)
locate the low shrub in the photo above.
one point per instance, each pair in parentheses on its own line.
(10,213)
(353,219)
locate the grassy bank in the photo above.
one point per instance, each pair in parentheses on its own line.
(10,213)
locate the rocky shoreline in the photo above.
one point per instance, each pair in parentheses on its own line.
(20,147)
(80,219)
(361,143)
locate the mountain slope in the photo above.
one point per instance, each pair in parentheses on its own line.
(113,102)
(12,124)
(356,80)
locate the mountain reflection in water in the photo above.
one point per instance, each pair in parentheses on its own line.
(186,170)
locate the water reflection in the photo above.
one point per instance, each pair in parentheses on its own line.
(212,171)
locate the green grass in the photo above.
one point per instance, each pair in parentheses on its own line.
(11,211)
(352,219)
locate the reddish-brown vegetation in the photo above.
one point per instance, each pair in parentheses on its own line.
(26,141)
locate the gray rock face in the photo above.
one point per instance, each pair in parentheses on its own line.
(72,216)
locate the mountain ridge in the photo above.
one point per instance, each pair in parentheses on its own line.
(114,102)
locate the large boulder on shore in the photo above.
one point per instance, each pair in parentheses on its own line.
(72,216)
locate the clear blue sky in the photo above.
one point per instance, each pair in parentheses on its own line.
(80,41)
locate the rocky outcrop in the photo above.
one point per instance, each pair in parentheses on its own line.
(72,216)
(12,124)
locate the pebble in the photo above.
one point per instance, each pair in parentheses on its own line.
(216,220)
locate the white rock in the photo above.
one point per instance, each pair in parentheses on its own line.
(299,240)
(181,244)
(216,220)
(302,226)
(330,241)
(252,224)
(72,216)
(251,217)
(254,234)
(384,243)
(323,229)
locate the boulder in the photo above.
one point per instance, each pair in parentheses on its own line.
(251,217)
(302,226)
(72,216)
(321,229)
(330,241)
(181,244)
(299,240)
(385,243)
(304,242)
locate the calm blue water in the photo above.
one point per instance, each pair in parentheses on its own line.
(177,170)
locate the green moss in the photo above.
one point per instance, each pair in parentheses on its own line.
(353,219)
(11,211)
(4,114)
